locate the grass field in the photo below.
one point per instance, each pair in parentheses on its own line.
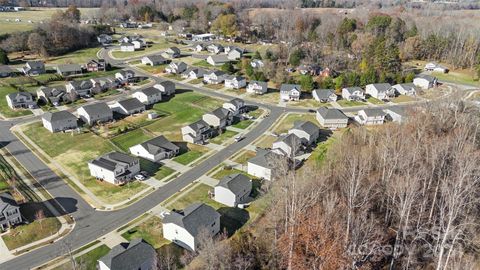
(129,139)
(227,134)
(176,77)
(244,157)
(224,172)
(188,157)
(215,86)
(150,231)
(403,98)
(78,57)
(35,15)
(158,171)
(155,47)
(25,234)
(199,193)
(153,69)
(87,260)
(243,124)
(4,109)
(266,141)
(73,152)
(350,103)
(375,101)
(196,81)
(288,122)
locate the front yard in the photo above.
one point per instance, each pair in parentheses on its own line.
(243,124)
(87,260)
(350,103)
(227,134)
(150,231)
(153,48)
(4,109)
(28,233)
(288,121)
(194,152)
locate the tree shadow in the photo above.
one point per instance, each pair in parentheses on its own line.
(63,205)
(181,91)
(232,219)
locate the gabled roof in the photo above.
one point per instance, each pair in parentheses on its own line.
(16,95)
(178,64)
(373,112)
(307,126)
(323,93)
(131,104)
(291,140)
(353,89)
(166,84)
(52,91)
(397,110)
(331,113)
(262,84)
(150,91)
(129,256)
(221,113)
(236,78)
(216,72)
(111,160)
(156,58)
(198,125)
(83,84)
(266,159)
(7,200)
(381,87)
(288,87)
(426,77)
(219,58)
(237,102)
(100,108)
(193,218)
(236,183)
(35,64)
(158,145)
(405,86)
(174,50)
(58,116)
(69,68)
(197,71)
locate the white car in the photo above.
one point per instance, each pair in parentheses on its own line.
(139,177)
(239,138)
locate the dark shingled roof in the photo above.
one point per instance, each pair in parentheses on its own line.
(131,104)
(100,108)
(287,87)
(69,68)
(291,140)
(306,126)
(198,125)
(331,113)
(129,256)
(35,64)
(266,159)
(110,160)
(382,87)
(323,93)
(353,89)
(426,77)
(374,112)
(221,113)
(193,218)
(159,144)
(156,58)
(83,84)
(150,91)
(237,102)
(6,200)
(58,116)
(220,58)
(236,183)
(17,94)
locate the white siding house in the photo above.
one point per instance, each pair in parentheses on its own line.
(115,168)
(257,87)
(425,81)
(155,149)
(370,117)
(331,118)
(148,96)
(235,82)
(59,121)
(233,189)
(353,93)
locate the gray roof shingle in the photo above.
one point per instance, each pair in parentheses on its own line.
(236,183)
(131,104)
(129,256)
(159,144)
(193,218)
(58,116)
(331,113)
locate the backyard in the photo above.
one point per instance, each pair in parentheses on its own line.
(87,260)
(150,231)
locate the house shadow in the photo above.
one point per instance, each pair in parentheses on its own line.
(250,108)
(181,91)
(324,135)
(4,144)
(31,210)
(183,147)
(232,219)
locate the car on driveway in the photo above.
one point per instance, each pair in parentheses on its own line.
(140,177)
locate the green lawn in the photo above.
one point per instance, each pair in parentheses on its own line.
(73,152)
(25,234)
(156,47)
(150,231)
(375,101)
(350,103)
(158,171)
(224,172)
(188,157)
(176,77)
(288,122)
(87,260)
(199,193)
(403,98)
(266,141)
(129,139)
(110,92)
(78,57)
(244,157)
(460,77)
(196,81)
(227,134)
(153,69)
(4,109)
(243,124)
(3,185)
(215,86)
(202,63)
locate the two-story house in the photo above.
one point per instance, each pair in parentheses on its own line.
(115,168)
(370,117)
(9,211)
(233,189)
(198,132)
(218,118)
(155,149)
(59,121)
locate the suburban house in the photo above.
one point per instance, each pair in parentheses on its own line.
(124,76)
(9,211)
(203,37)
(214,77)
(395,114)
(236,106)
(104,83)
(289,92)
(370,117)
(104,39)
(331,118)
(264,165)
(307,131)
(148,96)
(59,121)
(234,54)
(200,47)
(53,95)
(218,118)
(80,88)
(176,68)
(425,81)
(184,227)
(172,52)
(313,70)
(287,145)
(380,91)
(5,71)
(154,60)
(127,47)
(432,66)
(218,60)
(235,82)
(128,106)
(353,93)
(215,48)
(135,255)
(139,44)
(193,73)
(256,63)
(21,100)
(324,95)
(233,189)
(95,113)
(257,87)
(155,149)
(167,88)
(115,168)
(96,65)
(407,89)
(197,132)
(69,69)
(34,68)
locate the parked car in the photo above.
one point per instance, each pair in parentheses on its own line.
(139,177)
(239,138)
